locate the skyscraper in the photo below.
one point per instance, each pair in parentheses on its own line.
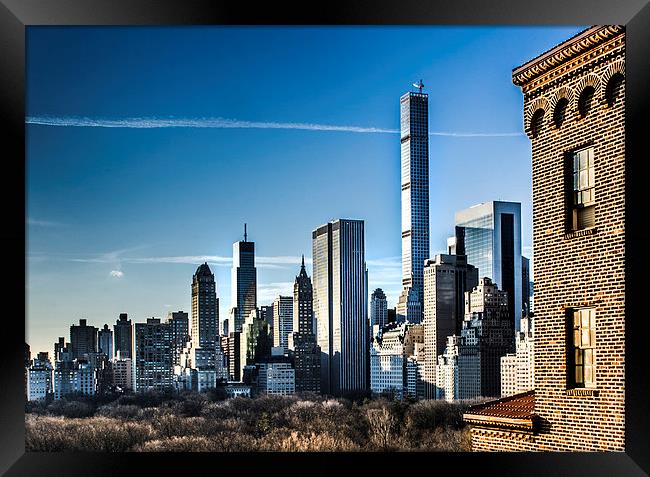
(83,339)
(205,308)
(306,351)
(105,338)
(244,280)
(490,235)
(152,356)
(446,278)
(283,321)
(378,308)
(123,332)
(340,305)
(525,287)
(180,329)
(414,137)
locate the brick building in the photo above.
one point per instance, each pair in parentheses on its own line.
(574,109)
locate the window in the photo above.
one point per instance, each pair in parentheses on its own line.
(537,122)
(581,351)
(585,100)
(559,114)
(614,89)
(583,197)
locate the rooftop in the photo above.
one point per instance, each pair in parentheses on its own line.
(513,412)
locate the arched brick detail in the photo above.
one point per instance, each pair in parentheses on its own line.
(615,68)
(539,103)
(562,93)
(589,80)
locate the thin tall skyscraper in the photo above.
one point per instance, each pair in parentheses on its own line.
(282,321)
(340,306)
(490,235)
(123,335)
(205,308)
(414,128)
(244,281)
(378,308)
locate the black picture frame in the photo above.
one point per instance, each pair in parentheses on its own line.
(15,15)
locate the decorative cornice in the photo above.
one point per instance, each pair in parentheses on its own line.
(564,52)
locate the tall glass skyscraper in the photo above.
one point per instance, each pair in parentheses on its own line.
(341,305)
(244,281)
(490,235)
(414,122)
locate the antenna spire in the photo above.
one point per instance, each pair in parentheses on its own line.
(419,85)
(303,260)
(245,234)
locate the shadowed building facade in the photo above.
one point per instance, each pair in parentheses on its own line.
(123,335)
(574,114)
(341,306)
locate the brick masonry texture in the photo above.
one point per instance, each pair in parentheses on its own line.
(576,269)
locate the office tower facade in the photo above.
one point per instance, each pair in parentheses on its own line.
(123,334)
(409,307)
(388,363)
(518,369)
(525,288)
(276,376)
(447,376)
(83,339)
(234,356)
(180,332)
(152,356)
(254,341)
(414,139)
(489,234)
(205,308)
(486,336)
(378,308)
(446,278)
(244,280)
(77,376)
(105,338)
(282,321)
(574,114)
(340,306)
(306,351)
(266,314)
(123,373)
(39,378)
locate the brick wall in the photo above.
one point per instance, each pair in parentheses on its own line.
(489,440)
(576,270)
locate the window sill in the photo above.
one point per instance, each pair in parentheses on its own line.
(582,392)
(580,233)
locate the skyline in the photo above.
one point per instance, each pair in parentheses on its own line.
(65,257)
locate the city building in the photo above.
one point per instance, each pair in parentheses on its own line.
(122,372)
(123,335)
(105,339)
(447,379)
(518,369)
(414,139)
(276,375)
(574,114)
(83,339)
(180,330)
(306,352)
(409,307)
(282,324)
(378,308)
(77,376)
(244,280)
(205,308)
(525,288)
(446,279)
(394,359)
(340,306)
(489,234)
(152,356)
(234,356)
(254,341)
(39,378)
(266,314)
(486,336)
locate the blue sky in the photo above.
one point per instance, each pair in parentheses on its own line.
(119,217)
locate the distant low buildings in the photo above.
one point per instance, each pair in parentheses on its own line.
(39,378)
(517,369)
(276,376)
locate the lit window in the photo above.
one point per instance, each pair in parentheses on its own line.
(583,190)
(582,348)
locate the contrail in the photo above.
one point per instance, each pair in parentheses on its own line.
(224,123)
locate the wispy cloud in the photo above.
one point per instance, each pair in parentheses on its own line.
(43,223)
(225,123)
(267,292)
(117,273)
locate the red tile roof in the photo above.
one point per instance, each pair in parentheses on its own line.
(513,412)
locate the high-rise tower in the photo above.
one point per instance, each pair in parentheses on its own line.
(205,308)
(244,281)
(414,137)
(341,306)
